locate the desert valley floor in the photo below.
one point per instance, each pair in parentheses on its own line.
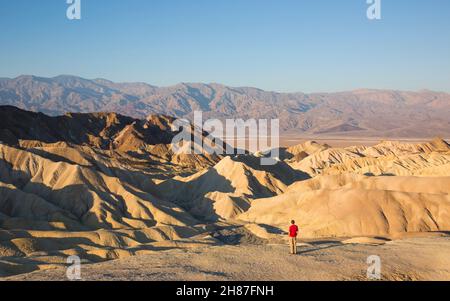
(109,189)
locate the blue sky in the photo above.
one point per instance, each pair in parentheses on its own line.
(281,45)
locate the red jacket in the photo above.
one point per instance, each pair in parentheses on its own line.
(293,231)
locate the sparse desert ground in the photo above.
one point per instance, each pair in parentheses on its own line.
(419,257)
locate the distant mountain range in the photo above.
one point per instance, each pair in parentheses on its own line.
(365,113)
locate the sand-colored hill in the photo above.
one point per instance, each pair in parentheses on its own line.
(301,151)
(50,210)
(382,190)
(387,158)
(347,206)
(81,194)
(228,188)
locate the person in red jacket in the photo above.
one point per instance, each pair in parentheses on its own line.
(293,232)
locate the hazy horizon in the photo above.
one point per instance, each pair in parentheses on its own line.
(223,84)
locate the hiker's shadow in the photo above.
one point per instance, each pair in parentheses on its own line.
(319,246)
